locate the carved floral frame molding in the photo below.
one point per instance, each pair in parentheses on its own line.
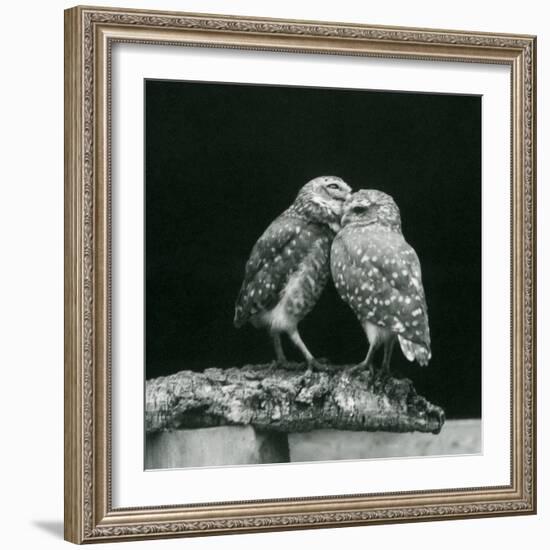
(89,35)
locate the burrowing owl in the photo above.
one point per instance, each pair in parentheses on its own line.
(289,265)
(377,273)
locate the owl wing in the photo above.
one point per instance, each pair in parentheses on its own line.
(274,257)
(378,274)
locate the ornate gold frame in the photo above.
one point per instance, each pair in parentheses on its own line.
(89,35)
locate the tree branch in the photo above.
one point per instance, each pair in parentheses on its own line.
(287,401)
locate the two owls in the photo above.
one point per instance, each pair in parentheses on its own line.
(356,237)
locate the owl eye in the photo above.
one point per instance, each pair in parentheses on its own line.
(359,209)
(333,186)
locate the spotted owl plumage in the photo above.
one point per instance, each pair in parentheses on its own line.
(289,265)
(377,273)
(291,249)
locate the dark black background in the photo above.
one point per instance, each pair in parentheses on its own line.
(222,161)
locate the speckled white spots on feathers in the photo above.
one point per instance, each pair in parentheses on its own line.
(386,276)
(285,275)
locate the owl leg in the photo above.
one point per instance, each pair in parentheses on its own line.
(299,343)
(312,363)
(279,352)
(388,348)
(367,362)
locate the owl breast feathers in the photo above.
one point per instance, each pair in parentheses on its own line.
(378,274)
(289,267)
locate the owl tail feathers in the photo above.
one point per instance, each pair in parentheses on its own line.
(413,351)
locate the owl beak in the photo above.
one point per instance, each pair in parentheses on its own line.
(342,201)
(337,207)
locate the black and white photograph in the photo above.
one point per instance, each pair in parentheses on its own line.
(312,274)
(300,275)
(274,275)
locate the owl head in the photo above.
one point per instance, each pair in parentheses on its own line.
(370,206)
(322,199)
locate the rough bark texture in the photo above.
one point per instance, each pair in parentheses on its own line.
(287,400)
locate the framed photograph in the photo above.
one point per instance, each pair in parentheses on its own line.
(299,274)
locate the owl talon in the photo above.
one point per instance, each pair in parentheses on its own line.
(382,376)
(369,376)
(370,373)
(277,365)
(318,365)
(355,368)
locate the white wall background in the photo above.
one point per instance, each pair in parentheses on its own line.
(31,276)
